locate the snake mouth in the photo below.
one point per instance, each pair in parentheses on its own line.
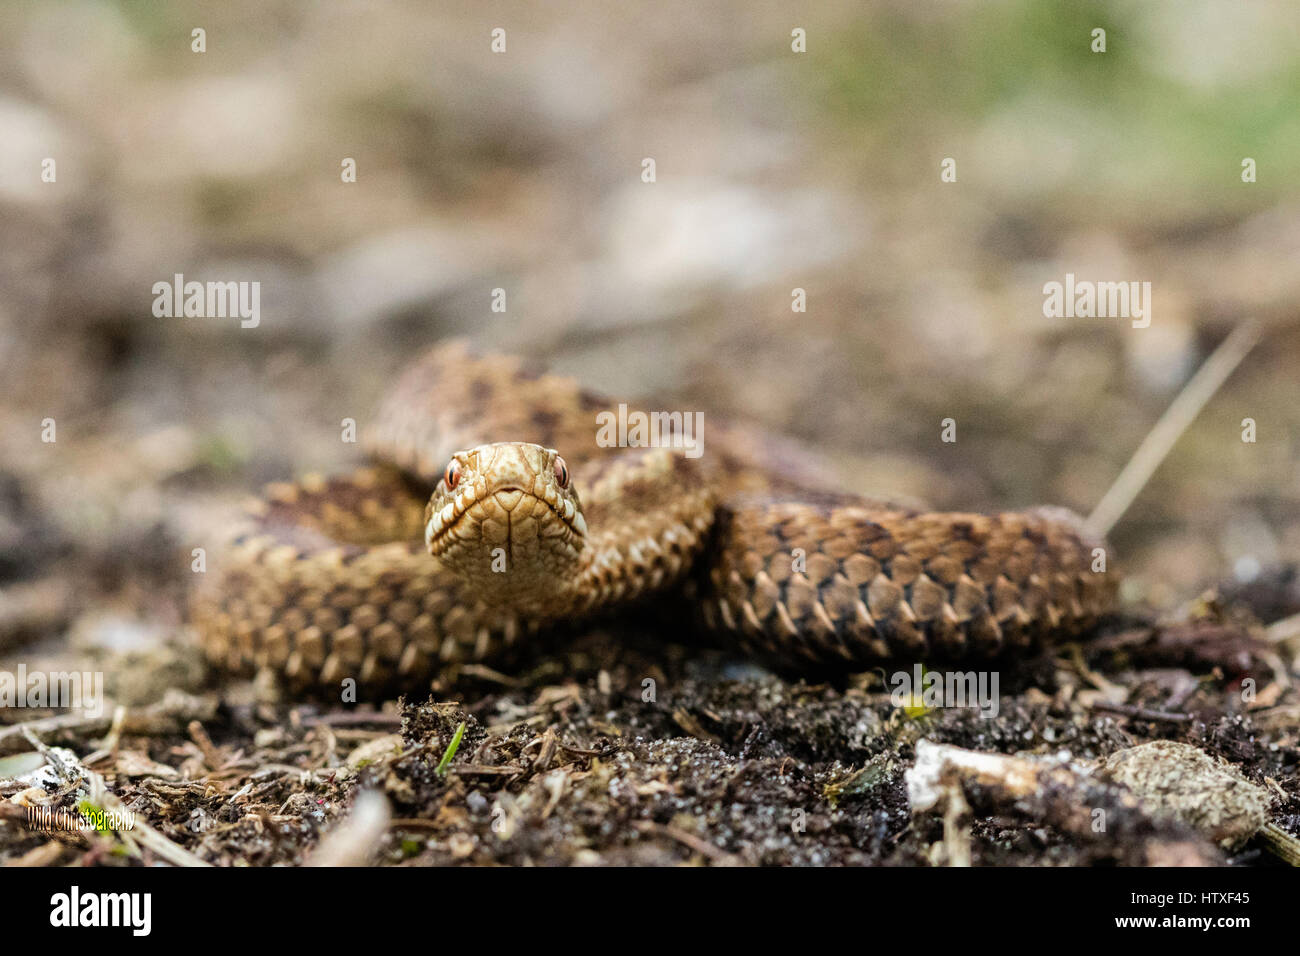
(503,506)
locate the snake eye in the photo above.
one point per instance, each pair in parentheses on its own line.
(452,475)
(561,472)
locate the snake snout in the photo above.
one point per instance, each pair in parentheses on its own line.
(509,497)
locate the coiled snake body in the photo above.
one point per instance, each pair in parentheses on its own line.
(453,548)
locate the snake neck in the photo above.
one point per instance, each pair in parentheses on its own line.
(640,553)
(635,557)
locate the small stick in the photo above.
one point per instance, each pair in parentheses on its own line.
(702,847)
(211,756)
(1282,844)
(1180,413)
(168,716)
(51,725)
(1142,713)
(1284,629)
(350,718)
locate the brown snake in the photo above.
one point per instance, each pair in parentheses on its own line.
(365,576)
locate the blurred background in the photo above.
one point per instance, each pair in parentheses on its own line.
(522,171)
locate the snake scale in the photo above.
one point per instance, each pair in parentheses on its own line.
(493,513)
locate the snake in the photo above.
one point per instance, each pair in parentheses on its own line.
(494,513)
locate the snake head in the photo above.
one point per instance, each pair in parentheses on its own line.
(507,518)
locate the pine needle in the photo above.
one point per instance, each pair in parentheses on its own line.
(1181,412)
